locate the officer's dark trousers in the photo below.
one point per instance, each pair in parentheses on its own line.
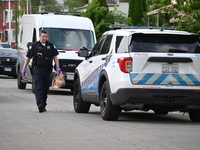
(42,83)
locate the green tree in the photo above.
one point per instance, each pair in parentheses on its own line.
(71,4)
(158,19)
(156,4)
(1,6)
(102,18)
(187,12)
(98,14)
(137,11)
(47,5)
(103,3)
(118,17)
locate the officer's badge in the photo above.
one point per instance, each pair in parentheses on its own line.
(30,47)
(39,48)
(48,47)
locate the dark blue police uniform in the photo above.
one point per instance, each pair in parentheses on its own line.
(42,67)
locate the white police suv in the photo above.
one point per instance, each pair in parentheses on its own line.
(140,68)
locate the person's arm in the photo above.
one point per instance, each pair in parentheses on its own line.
(27,60)
(55,58)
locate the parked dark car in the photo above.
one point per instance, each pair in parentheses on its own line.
(5,45)
(8,60)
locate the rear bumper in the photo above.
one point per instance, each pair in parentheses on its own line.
(156,97)
(11,71)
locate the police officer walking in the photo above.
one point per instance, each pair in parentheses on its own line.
(43,53)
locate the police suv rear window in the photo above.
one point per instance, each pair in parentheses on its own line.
(162,43)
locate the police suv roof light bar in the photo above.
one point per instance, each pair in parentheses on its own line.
(114,27)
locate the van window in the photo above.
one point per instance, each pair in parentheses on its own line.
(70,39)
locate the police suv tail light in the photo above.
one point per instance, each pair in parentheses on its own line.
(125,64)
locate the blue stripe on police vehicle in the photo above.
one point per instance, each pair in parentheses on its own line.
(165,79)
(91,82)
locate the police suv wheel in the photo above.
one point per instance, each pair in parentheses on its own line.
(79,105)
(20,84)
(108,110)
(194,115)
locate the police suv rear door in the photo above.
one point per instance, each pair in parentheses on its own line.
(165,60)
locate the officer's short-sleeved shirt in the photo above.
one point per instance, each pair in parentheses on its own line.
(33,48)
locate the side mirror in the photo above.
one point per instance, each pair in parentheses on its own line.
(29,44)
(83,52)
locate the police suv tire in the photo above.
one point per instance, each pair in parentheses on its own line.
(108,110)
(194,115)
(79,105)
(20,84)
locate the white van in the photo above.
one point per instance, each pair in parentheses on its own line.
(67,32)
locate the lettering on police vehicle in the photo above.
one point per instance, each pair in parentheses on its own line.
(141,54)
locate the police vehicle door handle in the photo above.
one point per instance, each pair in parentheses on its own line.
(103,58)
(90,61)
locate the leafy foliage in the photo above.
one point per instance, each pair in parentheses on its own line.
(188,15)
(71,4)
(137,11)
(102,18)
(47,5)
(163,17)
(156,4)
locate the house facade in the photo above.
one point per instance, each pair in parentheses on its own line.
(7,21)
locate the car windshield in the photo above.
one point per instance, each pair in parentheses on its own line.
(163,43)
(70,39)
(5,45)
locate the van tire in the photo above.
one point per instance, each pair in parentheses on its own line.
(20,84)
(108,110)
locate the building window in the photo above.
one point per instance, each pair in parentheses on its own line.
(6,35)
(9,15)
(13,15)
(6,15)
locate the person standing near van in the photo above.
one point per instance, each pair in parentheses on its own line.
(43,53)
